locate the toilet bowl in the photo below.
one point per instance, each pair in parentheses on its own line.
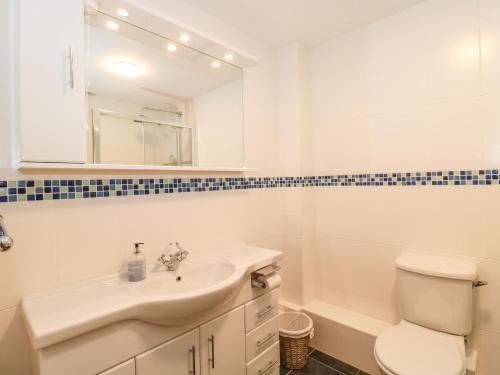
(409,349)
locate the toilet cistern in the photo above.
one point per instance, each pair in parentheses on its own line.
(172,261)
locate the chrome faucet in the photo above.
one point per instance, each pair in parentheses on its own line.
(172,261)
(6,242)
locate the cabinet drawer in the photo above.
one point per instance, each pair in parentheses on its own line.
(261,310)
(268,363)
(262,338)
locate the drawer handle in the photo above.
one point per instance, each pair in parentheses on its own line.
(267,310)
(211,340)
(270,366)
(267,339)
(193,353)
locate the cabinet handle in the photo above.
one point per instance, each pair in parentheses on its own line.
(268,309)
(193,353)
(211,340)
(268,368)
(71,67)
(264,341)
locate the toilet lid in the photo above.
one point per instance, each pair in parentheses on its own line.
(408,349)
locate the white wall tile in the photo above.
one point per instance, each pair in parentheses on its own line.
(15,354)
(31,265)
(487,311)
(362,272)
(489,355)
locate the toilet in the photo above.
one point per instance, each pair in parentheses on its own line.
(435,296)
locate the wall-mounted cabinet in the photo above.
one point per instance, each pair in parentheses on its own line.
(51,87)
(103,90)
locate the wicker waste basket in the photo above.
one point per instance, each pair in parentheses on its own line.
(296,329)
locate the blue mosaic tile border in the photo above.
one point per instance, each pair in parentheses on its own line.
(40,190)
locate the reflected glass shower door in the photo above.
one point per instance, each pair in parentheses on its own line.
(167,146)
(119,139)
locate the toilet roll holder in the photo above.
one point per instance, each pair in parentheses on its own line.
(263,272)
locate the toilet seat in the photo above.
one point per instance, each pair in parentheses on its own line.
(409,349)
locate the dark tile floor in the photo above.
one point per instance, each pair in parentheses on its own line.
(322,364)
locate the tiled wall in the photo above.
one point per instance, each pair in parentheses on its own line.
(415,91)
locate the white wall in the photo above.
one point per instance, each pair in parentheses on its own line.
(415,91)
(294,145)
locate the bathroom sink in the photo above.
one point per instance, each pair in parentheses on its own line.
(173,297)
(163,298)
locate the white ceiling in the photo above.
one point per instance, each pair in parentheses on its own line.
(310,22)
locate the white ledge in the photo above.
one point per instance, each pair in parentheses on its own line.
(30,166)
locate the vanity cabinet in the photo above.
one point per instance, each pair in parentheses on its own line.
(223,345)
(216,348)
(179,356)
(239,337)
(51,86)
(126,368)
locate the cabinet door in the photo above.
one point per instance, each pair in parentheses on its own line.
(222,344)
(126,368)
(51,81)
(176,357)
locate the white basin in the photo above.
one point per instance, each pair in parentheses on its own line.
(164,298)
(169,298)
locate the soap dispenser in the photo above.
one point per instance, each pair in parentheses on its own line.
(137,265)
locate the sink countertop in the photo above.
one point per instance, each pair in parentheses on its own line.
(60,314)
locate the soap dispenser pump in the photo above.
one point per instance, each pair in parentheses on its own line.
(137,264)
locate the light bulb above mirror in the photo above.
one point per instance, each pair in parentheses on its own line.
(112,25)
(127,68)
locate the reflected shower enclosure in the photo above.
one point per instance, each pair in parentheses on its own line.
(136,139)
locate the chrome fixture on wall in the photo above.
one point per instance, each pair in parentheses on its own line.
(6,242)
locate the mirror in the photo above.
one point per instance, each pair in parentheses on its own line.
(154,101)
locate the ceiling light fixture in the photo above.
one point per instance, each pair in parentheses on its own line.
(112,25)
(122,12)
(216,64)
(172,47)
(184,38)
(126,68)
(229,57)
